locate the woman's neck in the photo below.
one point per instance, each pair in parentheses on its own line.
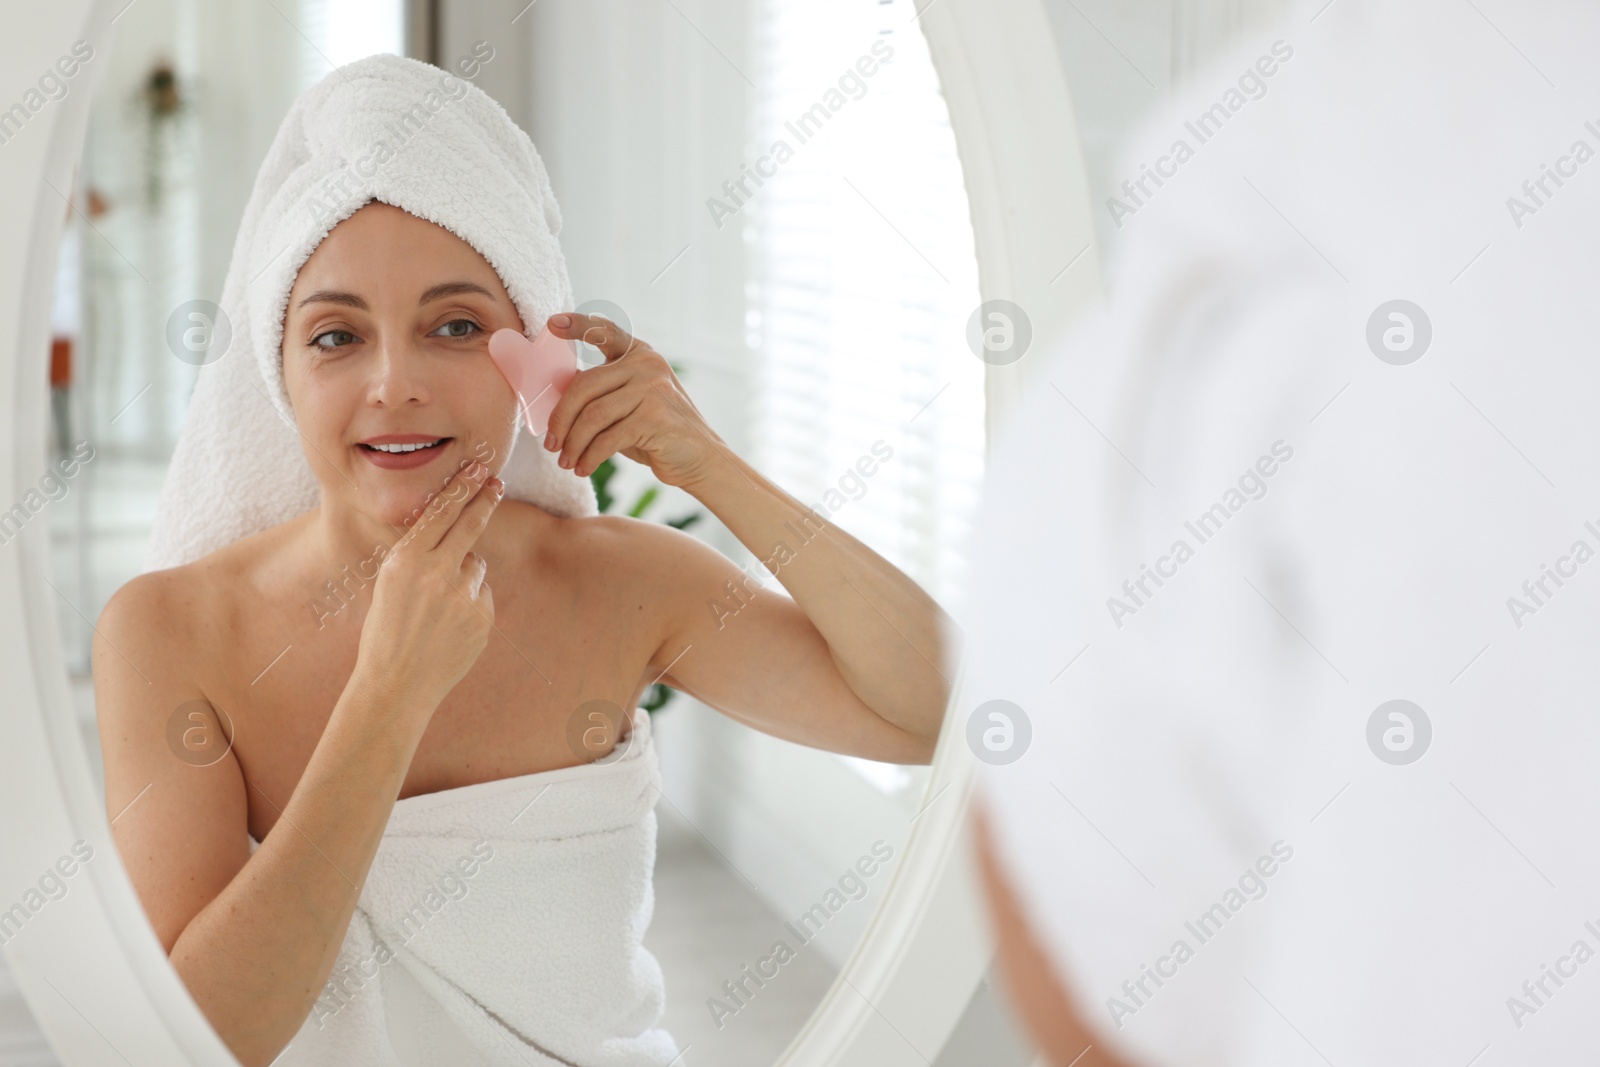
(341,536)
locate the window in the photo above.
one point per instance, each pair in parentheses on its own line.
(342,31)
(863,277)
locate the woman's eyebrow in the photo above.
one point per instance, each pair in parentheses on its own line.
(332,296)
(453,289)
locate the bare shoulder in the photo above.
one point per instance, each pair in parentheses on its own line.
(647,552)
(657,577)
(149,646)
(176,607)
(157,614)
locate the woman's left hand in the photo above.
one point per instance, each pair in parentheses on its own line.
(632,404)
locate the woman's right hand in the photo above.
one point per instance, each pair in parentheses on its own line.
(431,609)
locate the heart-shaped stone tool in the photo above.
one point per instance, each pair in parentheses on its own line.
(539,370)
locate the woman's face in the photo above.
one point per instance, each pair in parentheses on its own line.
(385,342)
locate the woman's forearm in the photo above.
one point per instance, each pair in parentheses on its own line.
(890,639)
(255,959)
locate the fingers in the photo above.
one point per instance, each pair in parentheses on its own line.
(442,511)
(473,569)
(605,445)
(584,389)
(596,416)
(645,365)
(607,336)
(469,525)
(613,342)
(473,586)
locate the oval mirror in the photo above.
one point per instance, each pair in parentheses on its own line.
(827,219)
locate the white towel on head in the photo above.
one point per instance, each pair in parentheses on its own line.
(1215,833)
(382,128)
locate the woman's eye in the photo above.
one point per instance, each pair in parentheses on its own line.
(458,328)
(340,338)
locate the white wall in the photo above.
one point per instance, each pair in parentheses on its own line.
(1123,56)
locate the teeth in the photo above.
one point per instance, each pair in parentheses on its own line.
(403,448)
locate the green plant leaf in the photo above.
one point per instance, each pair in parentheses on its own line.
(646,498)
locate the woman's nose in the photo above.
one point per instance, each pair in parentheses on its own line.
(399,373)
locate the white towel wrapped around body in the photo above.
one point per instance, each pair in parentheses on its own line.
(502,923)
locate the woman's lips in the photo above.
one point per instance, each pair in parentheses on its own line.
(403,461)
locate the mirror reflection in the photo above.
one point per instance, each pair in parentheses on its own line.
(564,694)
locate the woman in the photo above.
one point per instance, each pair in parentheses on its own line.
(490,623)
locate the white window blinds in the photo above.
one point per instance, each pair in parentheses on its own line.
(863,277)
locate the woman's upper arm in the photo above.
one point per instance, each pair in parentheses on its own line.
(178,812)
(745,648)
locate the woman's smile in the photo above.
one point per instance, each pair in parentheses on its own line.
(403,451)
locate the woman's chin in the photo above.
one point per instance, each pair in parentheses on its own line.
(399,496)
(400,508)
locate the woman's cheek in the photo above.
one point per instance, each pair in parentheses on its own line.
(499,452)
(502,421)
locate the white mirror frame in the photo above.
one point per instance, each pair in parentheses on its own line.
(902,991)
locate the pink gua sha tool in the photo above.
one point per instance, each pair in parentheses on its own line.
(539,370)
